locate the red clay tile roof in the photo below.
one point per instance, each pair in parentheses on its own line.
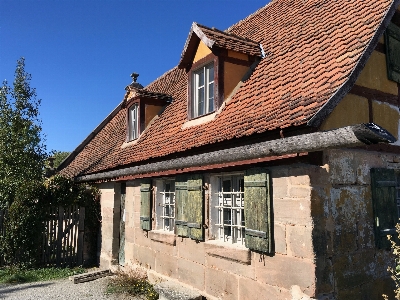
(315,50)
(216,38)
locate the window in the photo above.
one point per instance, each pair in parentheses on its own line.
(165,206)
(203,91)
(237,205)
(230,209)
(133,119)
(385,186)
(392,42)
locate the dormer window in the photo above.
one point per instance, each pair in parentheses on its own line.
(142,106)
(133,122)
(216,62)
(203,91)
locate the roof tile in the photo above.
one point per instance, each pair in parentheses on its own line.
(312,48)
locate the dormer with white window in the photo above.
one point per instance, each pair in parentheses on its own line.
(142,107)
(216,62)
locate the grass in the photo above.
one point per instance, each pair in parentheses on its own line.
(134,283)
(17,275)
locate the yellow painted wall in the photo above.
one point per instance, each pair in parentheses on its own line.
(374,75)
(202,51)
(351,110)
(232,75)
(387,116)
(150,112)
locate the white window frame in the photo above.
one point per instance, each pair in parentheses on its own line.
(133,122)
(202,84)
(165,205)
(227,209)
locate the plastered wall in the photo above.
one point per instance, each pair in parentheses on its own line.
(355,109)
(233,72)
(202,51)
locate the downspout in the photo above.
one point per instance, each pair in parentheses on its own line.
(345,137)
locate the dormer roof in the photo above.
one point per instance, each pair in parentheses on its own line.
(215,39)
(144,93)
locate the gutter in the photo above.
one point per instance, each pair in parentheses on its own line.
(345,137)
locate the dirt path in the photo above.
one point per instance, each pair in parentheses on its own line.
(59,289)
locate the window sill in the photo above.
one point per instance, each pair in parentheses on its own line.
(228,251)
(163,237)
(199,120)
(130,143)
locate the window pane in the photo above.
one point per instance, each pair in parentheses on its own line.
(230,209)
(133,124)
(210,69)
(200,97)
(200,75)
(210,97)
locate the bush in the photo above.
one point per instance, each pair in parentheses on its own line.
(134,283)
(24,225)
(395,272)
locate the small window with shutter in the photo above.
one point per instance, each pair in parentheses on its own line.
(385,200)
(241,209)
(392,42)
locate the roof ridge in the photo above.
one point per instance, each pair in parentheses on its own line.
(250,16)
(161,77)
(245,39)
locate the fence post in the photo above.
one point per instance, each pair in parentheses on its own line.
(59,235)
(81,235)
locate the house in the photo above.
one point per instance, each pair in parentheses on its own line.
(266,164)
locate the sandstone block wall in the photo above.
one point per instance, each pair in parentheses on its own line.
(348,264)
(219,270)
(322,229)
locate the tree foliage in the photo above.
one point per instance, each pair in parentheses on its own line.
(22,149)
(59,156)
(25,195)
(25,224)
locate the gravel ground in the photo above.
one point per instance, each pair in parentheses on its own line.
(59,289)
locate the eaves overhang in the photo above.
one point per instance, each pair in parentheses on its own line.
(350,136)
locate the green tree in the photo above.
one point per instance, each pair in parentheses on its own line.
(59,156)
(22,150)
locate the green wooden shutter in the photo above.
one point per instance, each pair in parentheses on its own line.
(121,253)
(383,185)
(194,212)
(145,204)
(392,42)
(257,210)
(181,196)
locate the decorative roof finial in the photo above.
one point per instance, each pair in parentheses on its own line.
(134,76)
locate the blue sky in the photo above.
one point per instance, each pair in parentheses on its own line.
(81,53)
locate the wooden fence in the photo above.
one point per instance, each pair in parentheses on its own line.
(63,237)
(2,231)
